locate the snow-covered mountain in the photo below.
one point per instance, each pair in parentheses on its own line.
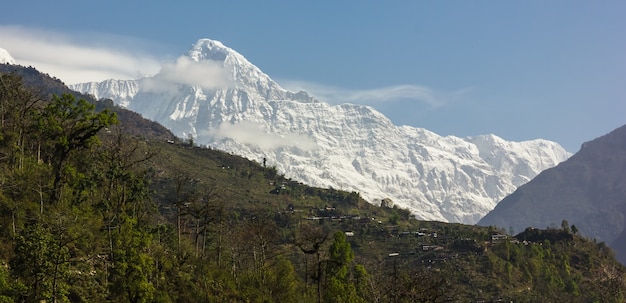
(215,95)
(5,57)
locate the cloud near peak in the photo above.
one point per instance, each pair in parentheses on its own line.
(207,74)
(86,57)
(78,58)
(251,133)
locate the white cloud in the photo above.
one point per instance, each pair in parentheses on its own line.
(336,95)
(251,133)
(206,74)
(80,57)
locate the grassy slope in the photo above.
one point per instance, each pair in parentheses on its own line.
(474,265)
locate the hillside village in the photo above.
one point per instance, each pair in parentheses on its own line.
(424,238)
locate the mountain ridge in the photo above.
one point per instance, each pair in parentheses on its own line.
(45,86)
(588,190)
(237,108)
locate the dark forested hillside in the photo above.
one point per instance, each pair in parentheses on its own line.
(44,87)
(93,212)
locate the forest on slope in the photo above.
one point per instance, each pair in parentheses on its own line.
(91,211)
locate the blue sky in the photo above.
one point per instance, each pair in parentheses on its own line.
(518,69)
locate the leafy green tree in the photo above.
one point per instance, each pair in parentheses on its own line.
(131,265)
(17,105)
(339,285)
(340,255)
(5,286)
(39,263)
(119,194)
(69,125)
(362,281)
(282,281)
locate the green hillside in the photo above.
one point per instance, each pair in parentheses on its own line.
(93,210)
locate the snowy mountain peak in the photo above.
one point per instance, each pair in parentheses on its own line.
(214,56)
(207,49)
(215,95)
(5,57)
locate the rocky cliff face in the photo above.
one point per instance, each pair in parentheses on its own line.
(220,99)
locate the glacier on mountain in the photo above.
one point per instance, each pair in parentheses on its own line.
(220,99)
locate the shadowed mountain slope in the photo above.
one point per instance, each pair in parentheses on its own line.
(45,86)
(588,190)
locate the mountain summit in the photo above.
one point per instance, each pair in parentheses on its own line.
(217,97)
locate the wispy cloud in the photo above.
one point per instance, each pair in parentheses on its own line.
(78,57)
(336,95)
(84,57)
(251,133)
